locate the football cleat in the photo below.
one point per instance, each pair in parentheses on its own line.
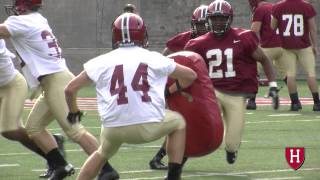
(251,105)
(110,175)
(295,106)
(231,156)
(60,141)
(157,164)
(61,172)
(48,173)
(316,107)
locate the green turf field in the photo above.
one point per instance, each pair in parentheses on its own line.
(261,156)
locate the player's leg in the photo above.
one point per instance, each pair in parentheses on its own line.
(173,125)
(175,148)
(233,110)
(13,96)
(53,86)
(111,139)
(155,162)
(38,119)
(276,55)
(307,60)
(91,167)
(60,141)
(290,60)
(251,102)
(54,92)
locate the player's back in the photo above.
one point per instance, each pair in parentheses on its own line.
(33,39)
(178,42)
(293,16)
(268,37)
(130,85)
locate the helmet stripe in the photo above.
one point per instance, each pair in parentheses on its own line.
(125,29)
(204,12)
(218,6)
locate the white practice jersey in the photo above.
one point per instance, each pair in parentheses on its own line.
(7,70)
(35,43)
(130,84)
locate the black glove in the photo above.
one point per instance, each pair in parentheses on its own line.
(273,93)
(166,92)
(74,117)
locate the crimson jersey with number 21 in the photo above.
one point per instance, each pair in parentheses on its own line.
(229,59)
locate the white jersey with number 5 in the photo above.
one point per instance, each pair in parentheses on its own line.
(34,41)
(130,85)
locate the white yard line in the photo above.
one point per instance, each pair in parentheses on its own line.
(245,173)
(203,174)
(279,178)
(9,165)
(283,121)
(283,115)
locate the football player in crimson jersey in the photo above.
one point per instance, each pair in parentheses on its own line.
(199,26)
(44,66)
(231,55)
(298,32)
(130,82)
(269,39)
(198,105)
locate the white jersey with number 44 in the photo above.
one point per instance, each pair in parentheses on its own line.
(130,85)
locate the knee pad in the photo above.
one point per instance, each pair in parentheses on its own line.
(75,132)
(33,131)
(181,121)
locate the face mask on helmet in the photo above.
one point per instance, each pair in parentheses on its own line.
(199,22)
(21,6)
(220,15)
(129,30)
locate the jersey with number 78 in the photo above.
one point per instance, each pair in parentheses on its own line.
(292,17)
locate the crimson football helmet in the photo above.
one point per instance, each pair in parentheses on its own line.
(128,30)
(220,15)
(21,6)
(130,8)
(254,4)
(199,22)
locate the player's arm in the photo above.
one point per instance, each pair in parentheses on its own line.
(256,26)
(274,23)
(72,89)
(184,76)
(313,35)
(4,33)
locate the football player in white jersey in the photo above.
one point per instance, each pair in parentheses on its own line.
(13,92)
(130,83)
(37,46)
